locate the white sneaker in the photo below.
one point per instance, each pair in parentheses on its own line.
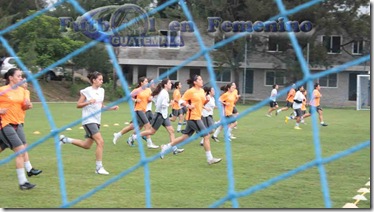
(62,140)
(130,141)
(232,137)
(152,146)
(177,151)
(214,160)
(101,170)
(164,148)
(116,136)
(268,115)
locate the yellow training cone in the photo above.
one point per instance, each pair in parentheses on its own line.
(81,128)
(115,124)
(68,129)
(36,132)
(105,125)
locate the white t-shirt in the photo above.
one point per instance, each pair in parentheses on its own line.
(98,95)
(162,103)
(298,96)
(273,95)
(149,106)
(211,105)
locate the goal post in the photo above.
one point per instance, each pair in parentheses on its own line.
(363,92)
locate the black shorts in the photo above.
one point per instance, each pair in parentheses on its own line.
(315,108)
(158,120)
(141,118)
(149,115)
(184,110)
(3,145)
(91,129)
(229,117)
(298,112)
(289,104)
(194,126)
(13,135)
(273,104)
(176,112)
(234,110)
(208,121)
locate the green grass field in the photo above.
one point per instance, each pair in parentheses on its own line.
(265,148)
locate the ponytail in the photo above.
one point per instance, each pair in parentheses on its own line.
(160,86)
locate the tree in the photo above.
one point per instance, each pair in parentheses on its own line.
(12,10)
(68,10)
(39,42)
(96,58)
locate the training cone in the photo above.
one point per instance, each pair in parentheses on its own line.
(81,128)
(359,197)
(105,125)
(363,190)
(127,123)
(68,129)
(116,124)
(36,132)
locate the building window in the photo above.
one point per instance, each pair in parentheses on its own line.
(276,44)
(173,76)
(332,43)
(223,75)
(169,39)
(194,71)
(357,47)
(275,77)
(330,81)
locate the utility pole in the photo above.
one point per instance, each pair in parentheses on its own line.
(245,71)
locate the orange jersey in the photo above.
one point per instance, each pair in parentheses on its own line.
(303,105)
(27,97)
(13,100)
(176,98)
(197,98)
(143,96)
(229,99)
(291,95)
(235,93)
(316,98)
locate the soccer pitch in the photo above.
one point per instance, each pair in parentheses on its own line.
(265,148)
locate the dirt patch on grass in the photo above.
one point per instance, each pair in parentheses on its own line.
(55,91)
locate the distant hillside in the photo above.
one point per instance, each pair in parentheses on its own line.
(56,91)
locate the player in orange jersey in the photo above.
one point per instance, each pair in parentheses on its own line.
(315,103)
(142,95)
(13,102)
(176,110)
(289,100)
(194,99)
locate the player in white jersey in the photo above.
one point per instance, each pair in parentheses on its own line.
(208,108)
(297,103)
(160,117)
(273,100)
(91,101)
